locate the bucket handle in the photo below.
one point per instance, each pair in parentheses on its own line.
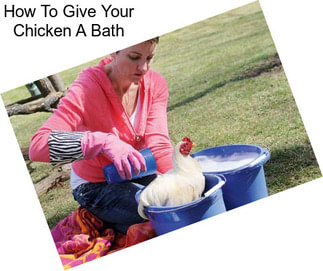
(217,186)
(259,160)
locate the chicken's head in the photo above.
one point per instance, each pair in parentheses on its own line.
(186,146)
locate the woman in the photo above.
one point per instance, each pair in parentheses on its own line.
(109,113)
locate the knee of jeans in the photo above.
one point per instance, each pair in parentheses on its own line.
(79,199)
(84,195)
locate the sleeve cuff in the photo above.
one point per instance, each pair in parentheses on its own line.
(65,147)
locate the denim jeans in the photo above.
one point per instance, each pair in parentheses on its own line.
(115,203)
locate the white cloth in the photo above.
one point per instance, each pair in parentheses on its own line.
(76,180)
(134,115)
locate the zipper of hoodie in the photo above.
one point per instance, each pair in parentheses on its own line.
(136,137)
(125,116)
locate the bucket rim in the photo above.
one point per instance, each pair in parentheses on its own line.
(263,152)
(164,209)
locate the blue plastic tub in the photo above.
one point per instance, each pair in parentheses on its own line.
(242,166)
(165,219)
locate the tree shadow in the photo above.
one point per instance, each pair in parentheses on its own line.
(29,167)
(289,164)
(53,220)
(267,65)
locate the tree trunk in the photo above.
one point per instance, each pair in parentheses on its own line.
(51,88)
(57,82)
(27,100)
(46,104)
(60,174)
(45,86)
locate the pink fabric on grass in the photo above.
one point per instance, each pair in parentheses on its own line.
(80,237)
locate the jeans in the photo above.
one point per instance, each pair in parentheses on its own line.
(114,204)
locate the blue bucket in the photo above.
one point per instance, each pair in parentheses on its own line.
(242,166)
(168,218)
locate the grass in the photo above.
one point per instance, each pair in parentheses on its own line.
(211,100)
(58,203)
(25,126)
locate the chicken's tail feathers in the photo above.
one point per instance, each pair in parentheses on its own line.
(141,210)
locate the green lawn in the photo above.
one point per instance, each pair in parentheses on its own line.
(211,100)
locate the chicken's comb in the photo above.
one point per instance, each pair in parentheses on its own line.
(186,146)
(186,139)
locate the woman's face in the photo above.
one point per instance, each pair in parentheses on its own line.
(132,63)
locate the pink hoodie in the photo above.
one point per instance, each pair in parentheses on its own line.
(91,104)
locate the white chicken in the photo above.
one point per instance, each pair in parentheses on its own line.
(182,184)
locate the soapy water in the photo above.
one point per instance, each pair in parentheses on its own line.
(212,163)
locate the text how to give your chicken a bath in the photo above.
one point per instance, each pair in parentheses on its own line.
(46,11)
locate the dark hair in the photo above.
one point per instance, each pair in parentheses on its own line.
(156,39)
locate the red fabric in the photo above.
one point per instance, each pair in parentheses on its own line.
(91,104)
(80,237)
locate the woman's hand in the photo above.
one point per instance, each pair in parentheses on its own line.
(119,153)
